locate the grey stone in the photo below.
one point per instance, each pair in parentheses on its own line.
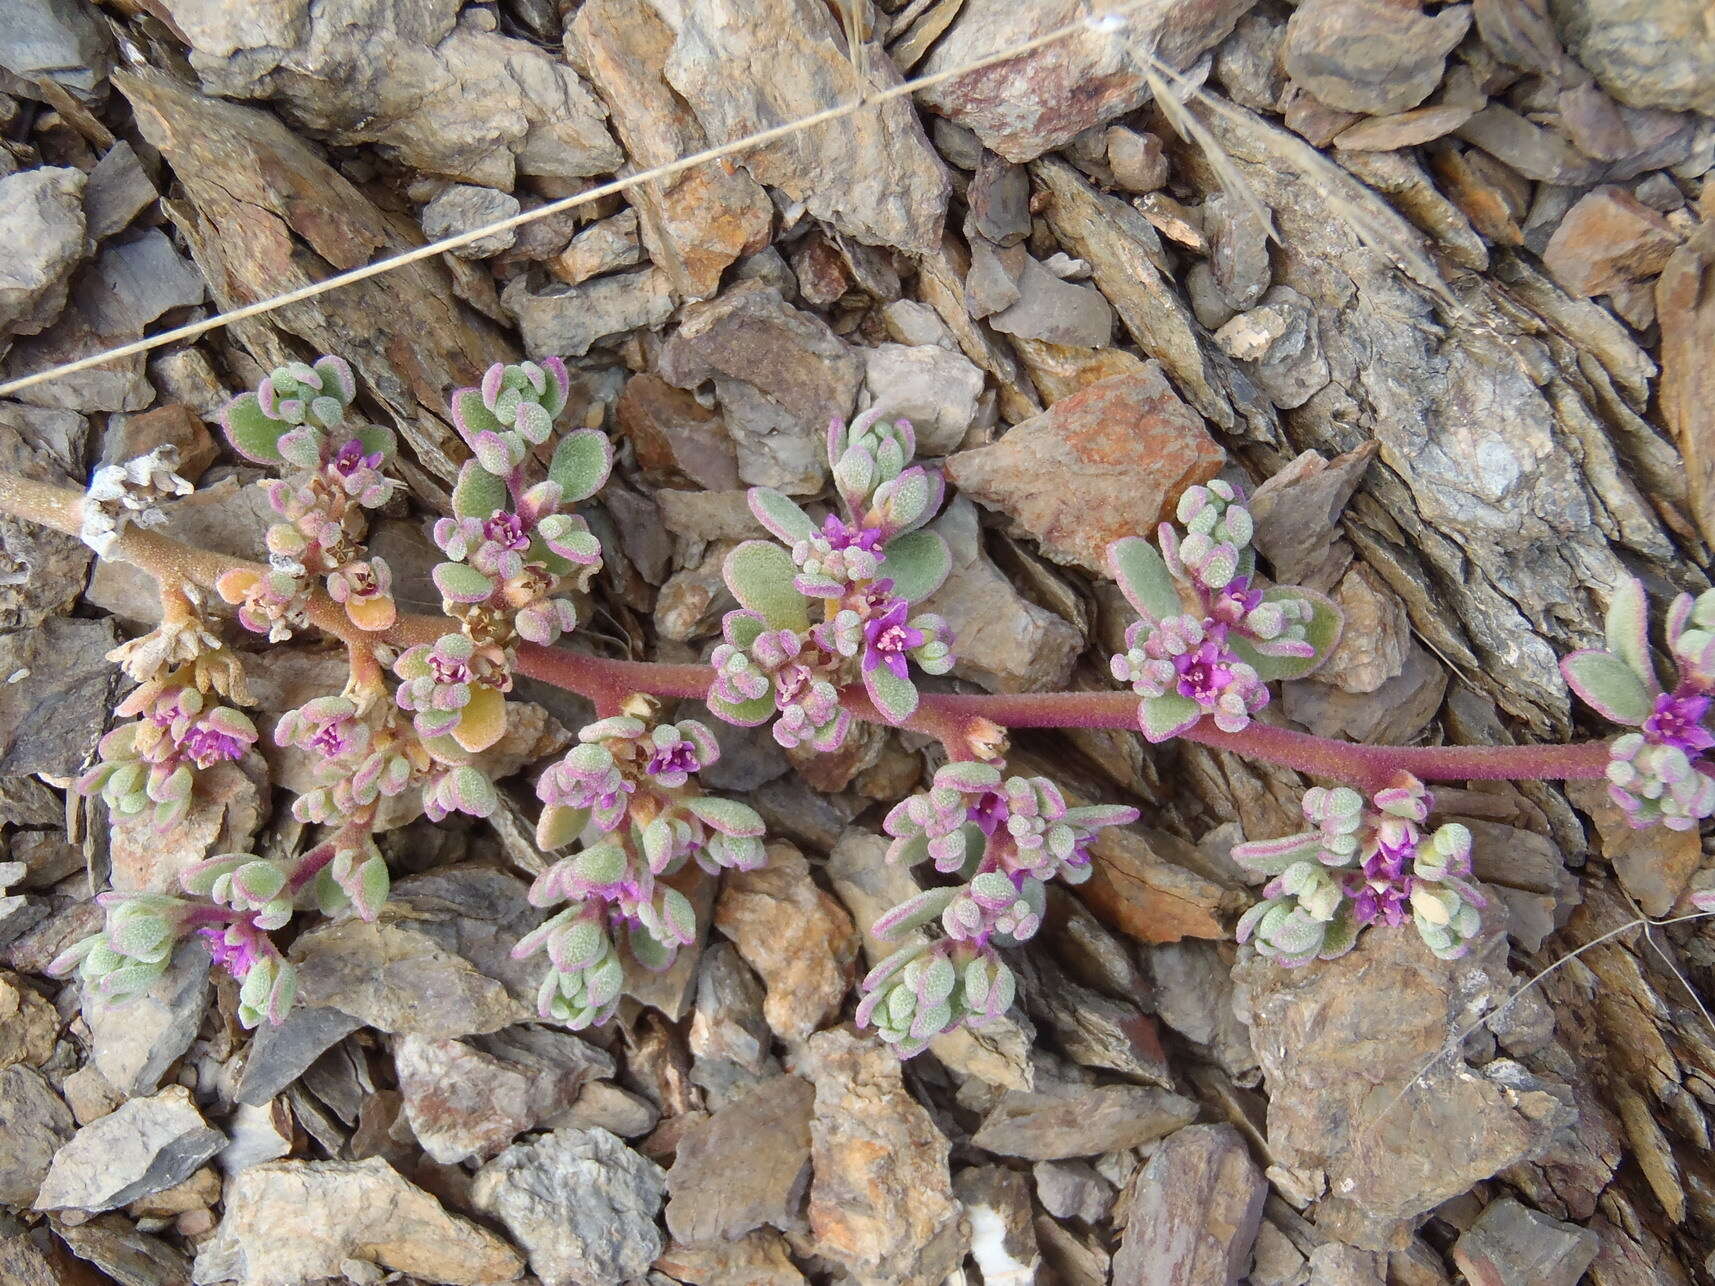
(43,231)
(1081,1121)
(465,207)
(746,65)
(568,320)
(466,1100)
(441,96)
(143,1147)
(600,248)
(34,1124)
(1646,53)
(134,1043)
(1061,312)
(133,282)
(1369,55)
(780,375)
(729,1039)
(56,692)
(290,1223)
(745,1166)
(1137,160)
(934,388)
(580,1202)
(130,1257)
(1193,1213)
(62,40)
(1073,1190)
(1512,1245)
(1006,642)
(118,191)
(280,1054)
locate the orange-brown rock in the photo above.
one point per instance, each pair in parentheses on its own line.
(674,434)
(1106,462)
(1608,239)
(1685,306)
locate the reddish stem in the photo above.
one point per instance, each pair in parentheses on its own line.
(963,723)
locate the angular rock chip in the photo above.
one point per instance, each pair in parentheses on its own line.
(439,95)
(1081,1121)
(1363,1097)
(41,241)
(747,65)
(144,1146)
(471,1099)
(289,1223)
(34,1124)
(1369,55)
(881,1199)
(1607,239)
(56,692)
(1511,1244)
(780,375)
(1022,107)
(580,1202)
(745,1166)
(1106,462)
(798,938)
(1646,53)
(1194,1211)
(133,1043)
(695,222)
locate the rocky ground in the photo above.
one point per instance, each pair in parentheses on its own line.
(1471,372)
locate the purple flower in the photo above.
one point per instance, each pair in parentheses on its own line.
(1677,721)
(1387,902)
(351,457)
(221,734)
(841,536)
(1205,673)
(989,812)
(235,949)
(507,531)
(887,639)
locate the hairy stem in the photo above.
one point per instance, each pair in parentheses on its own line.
(965,724)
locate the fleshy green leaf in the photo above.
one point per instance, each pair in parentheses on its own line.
(743,628)
(581,464)
(1628,630)
(895,698)
(917,563)
(1608,686)
(461,582)
(759,574)
(377,439)
(252,434)
(777,512)
(1144,579)
(1168,716)
(1322,633)
(913,913)
(745,714)
(479,494)
(470,416)
(727,816)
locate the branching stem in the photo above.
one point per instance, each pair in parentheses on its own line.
(963,723)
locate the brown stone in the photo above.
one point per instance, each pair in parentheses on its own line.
(881,1200)
(1107,462)
(695,222)
(1024,106)
(675,434)
(129,436)
(1081,1121)
(1685,305)
(1608,239)
(1366,1104)
(744,1166)
(1194,1212)
(1370,55)
(758,1259)
(1655,865)
(1511,1245)
(798,939)
(1403,129)
(1139,890)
